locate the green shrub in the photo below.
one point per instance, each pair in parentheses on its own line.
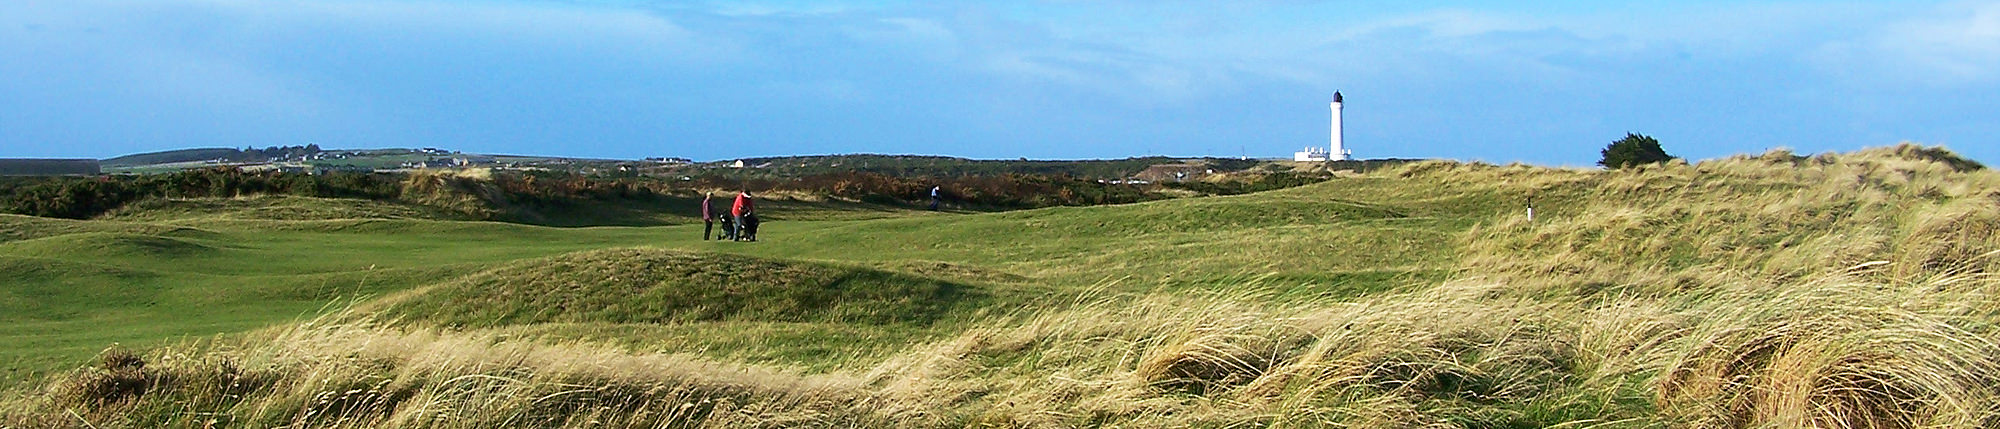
(1634,149)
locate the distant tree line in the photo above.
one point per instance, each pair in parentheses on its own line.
(280,151)
(85,197)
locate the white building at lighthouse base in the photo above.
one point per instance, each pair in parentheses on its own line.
(1312,154)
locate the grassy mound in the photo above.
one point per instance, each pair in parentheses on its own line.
(45,289)
(109,245)
(18,227)
(637,285)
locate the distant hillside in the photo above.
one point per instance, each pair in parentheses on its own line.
(204,154)
(48,167)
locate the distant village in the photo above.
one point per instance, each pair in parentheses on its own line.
(311,160)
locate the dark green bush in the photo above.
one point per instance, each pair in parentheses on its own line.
(1634,149)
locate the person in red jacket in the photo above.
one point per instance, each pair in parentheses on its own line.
(743,207)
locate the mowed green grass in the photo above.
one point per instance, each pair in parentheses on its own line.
(182,272)
(1334,236)
(76,287)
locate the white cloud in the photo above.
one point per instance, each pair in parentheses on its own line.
(922,28)
(1952,45)
(832,91)
(766,8)
(1449,23)
(1965,46)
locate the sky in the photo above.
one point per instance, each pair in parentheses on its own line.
(1541,82)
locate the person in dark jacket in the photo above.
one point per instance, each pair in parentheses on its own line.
(707,217)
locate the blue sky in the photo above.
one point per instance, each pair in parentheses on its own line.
(1544,82)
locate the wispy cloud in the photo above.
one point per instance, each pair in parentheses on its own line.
(1952,45)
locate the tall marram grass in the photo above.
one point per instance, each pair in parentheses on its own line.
(1773,219)
(1841,351)
(363,375)
(1842,354)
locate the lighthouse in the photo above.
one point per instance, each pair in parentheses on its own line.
(1339,152)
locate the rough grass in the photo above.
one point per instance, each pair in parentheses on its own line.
(18,227)
(1838,353)
(271,207)
(640,285)
(1776,290)
(1775,219)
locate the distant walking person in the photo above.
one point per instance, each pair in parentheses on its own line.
(707,217)
(742,207)
(934,197)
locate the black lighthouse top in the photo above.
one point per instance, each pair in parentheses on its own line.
(1336,96)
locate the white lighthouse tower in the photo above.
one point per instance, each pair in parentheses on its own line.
(1337,151)
(1340,152)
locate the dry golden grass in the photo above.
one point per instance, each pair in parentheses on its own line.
(1840,352)
(359,374)
(1772,219)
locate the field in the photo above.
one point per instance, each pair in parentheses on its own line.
(1775,290)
